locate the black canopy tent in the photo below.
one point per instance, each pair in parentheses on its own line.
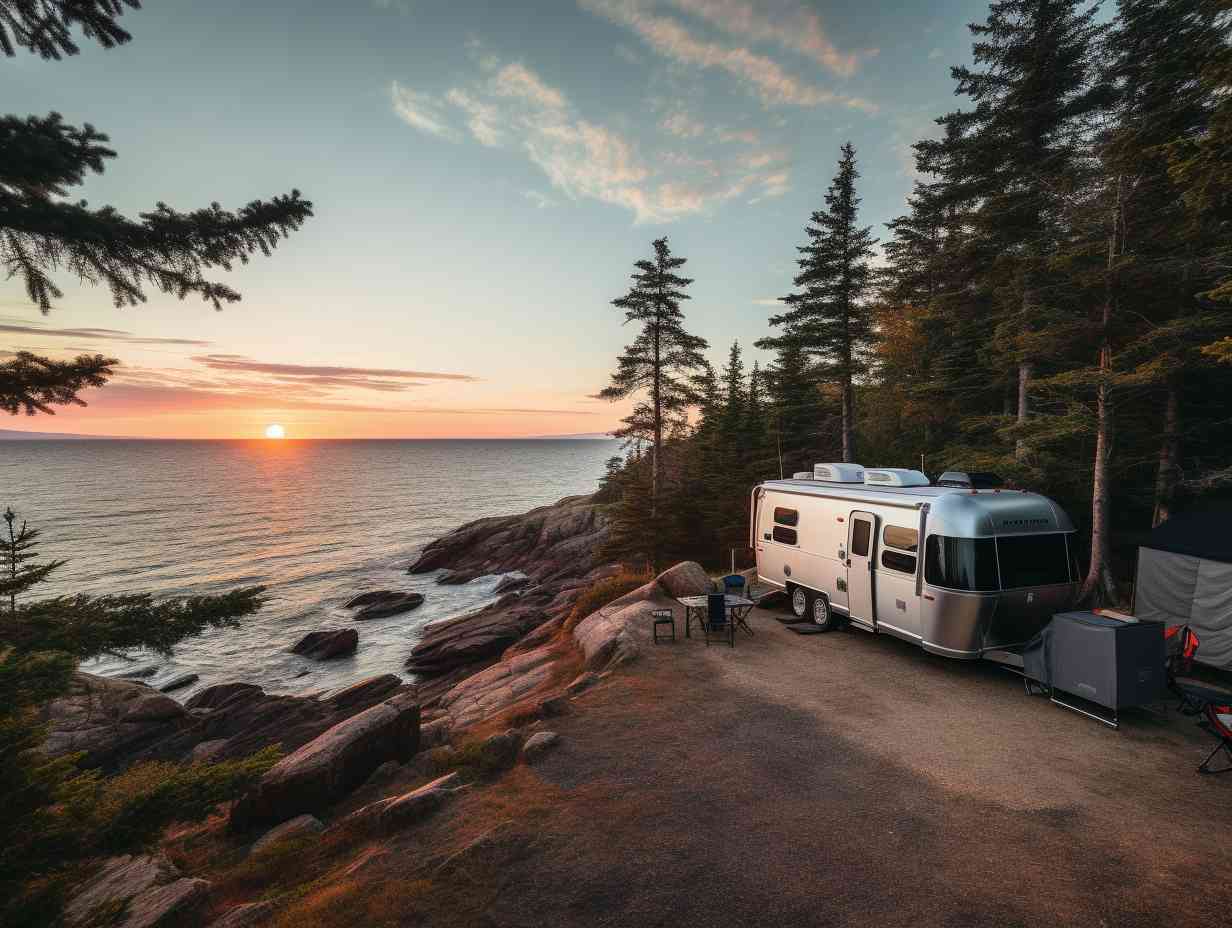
(1185,577)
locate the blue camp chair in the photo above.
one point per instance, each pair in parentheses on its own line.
(718,623)
(734,584)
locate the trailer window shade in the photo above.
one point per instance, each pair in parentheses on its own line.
(860,532)
(785,516)
(896,561)
(905,539)
(968,564)
(785,536)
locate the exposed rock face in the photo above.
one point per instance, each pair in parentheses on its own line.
(242,916)
(685,579)
(552,551)
(117,723)
(546,543)
(381,603)
(400,811)
(498,687)
(107,718)
(539,744)
(149,887)
(299,827)
(331,764)
(327,643)
(365,691)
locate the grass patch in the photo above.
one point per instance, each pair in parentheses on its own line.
(604,592)
(473,760)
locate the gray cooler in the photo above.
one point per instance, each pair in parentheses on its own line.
(1105,661)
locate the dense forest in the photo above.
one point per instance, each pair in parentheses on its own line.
(1054,306)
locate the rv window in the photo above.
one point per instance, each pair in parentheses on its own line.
(1032,560)
(859,537)
(961,563)
(786,516)
(896,561)
(906,539)
(786,536)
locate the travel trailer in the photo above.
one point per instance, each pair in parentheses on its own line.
(961,572)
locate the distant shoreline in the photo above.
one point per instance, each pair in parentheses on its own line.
(18,435)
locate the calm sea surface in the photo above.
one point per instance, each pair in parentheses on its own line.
(316,521)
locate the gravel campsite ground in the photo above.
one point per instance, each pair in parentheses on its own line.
(843,779)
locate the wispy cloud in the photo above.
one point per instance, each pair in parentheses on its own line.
(935,54)
(672,39)
(112,335)
(420,111)
(326,375)
(511,106)
(784,23)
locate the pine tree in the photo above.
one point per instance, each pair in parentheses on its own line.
(829,317)
(1019,155)
(43,230)
(659,363)
(55,815)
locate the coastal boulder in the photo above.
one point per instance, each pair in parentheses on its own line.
(299,827)
(332,764)
(364,690)
(107,718)
(400,811)
(381,603)
(327,643)
(146,889)
(539,744)
(685,579)
(214,697)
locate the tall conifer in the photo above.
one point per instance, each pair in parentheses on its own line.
(829,318)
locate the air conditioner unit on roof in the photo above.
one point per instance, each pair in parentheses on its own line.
(895,477)
(839,473)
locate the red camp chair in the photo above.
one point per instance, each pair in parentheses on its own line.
(1219,723)
(1181,644)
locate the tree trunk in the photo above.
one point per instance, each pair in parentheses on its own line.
(1169,455)
(1024,407)
(1099,575)
(1099,482)
(848,406)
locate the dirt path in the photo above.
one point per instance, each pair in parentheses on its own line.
(848,779)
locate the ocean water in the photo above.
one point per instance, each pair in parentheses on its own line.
(315,521)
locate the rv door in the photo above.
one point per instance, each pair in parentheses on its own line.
(861,544)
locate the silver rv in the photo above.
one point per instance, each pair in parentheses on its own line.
(960,572)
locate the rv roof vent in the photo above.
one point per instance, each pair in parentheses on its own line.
(802,475)
(970,480)
(895,477)
(839,473)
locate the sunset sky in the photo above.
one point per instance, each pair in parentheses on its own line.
(484,175)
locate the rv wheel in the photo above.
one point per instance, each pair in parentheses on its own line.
(800,603)
(822,617)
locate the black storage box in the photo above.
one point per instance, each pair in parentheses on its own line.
(1106,661)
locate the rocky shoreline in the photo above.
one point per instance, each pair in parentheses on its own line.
(510,667)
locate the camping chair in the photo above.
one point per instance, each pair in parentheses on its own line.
(718,624)
(734,584)
(1219,723)
(1181,644)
